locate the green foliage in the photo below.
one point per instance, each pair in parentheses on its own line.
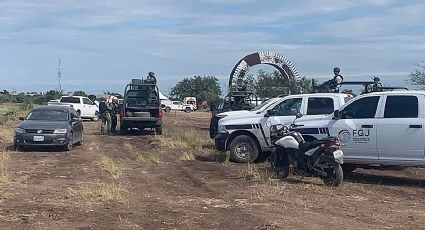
(203,87)
(274,84)
(79,93)
(29,98)
(417,77)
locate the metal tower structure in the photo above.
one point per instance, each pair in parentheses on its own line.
(59,76)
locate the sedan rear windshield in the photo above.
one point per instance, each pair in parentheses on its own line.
(48,115)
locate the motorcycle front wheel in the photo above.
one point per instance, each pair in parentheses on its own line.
(280,166)
(334,175)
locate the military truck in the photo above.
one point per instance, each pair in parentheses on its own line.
(141,107)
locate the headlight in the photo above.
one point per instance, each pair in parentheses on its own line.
(60,131)
(19,130)
(276,128)
(222,129)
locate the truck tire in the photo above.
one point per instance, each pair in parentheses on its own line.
(123,129)
(167,109)
(243,149)
(96,117)
(158,130)
(141,114)
(187,110)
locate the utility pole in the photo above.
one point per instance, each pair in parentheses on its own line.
(59,76)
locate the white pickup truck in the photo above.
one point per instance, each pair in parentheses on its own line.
(246,134)
(83,105)
(377,129)
(177,105)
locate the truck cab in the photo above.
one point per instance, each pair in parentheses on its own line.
(247,136)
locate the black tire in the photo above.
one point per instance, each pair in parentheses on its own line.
(334,177)
(167,109)
(18,148)
(70,144)
(96,117)
(187,110)
(281,167)
(213,127)
(158,130)
(123,129)
(79,143)
(244,149)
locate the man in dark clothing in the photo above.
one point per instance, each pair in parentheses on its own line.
(151,78)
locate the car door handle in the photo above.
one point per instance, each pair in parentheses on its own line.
(415,126)
(367,126)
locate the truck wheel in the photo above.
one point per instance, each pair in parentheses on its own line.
(243,149)
(158,130)
(167,109)
(123,129)
(187,110)
(96,117)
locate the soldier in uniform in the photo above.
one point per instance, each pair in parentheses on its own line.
(114,111)
(151,78)
(105,116)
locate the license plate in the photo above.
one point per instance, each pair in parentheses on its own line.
(38,138)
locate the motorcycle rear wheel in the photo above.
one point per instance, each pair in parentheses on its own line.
(334,177)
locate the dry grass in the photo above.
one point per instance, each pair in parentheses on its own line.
(109,165)
(187,156)
(253,173)
(101,192)
(4,161)
(153,158)
(94,147)
(168,142)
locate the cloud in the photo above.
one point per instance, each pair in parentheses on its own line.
(108,42)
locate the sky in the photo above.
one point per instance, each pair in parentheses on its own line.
(103,44)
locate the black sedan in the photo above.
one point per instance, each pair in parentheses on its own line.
(49,126)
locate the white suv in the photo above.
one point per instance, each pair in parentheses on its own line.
(83,105)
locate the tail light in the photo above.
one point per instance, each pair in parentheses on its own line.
(160,113)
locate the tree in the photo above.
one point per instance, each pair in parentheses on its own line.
(274,84)
(79,93)
(202,87)
(52,95)
(417,77)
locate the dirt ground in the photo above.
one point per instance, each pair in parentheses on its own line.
(142,181)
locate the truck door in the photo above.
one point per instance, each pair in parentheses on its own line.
(88,110)
(401,130)
(357,128)
(319,106)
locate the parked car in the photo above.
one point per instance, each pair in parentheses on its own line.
(177,105)
(377,129)
(247,135)
(49,126)
(83,105)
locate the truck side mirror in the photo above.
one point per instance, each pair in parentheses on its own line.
(337,114)
(270,113)
(298,115)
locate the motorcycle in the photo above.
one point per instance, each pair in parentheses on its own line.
(322,158)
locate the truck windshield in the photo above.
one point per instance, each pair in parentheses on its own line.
(265,105)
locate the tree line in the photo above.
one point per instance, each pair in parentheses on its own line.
(207,88)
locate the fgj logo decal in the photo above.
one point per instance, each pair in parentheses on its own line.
(344,135)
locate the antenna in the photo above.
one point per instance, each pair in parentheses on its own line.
(59,76)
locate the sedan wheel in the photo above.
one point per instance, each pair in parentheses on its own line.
(69,146)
